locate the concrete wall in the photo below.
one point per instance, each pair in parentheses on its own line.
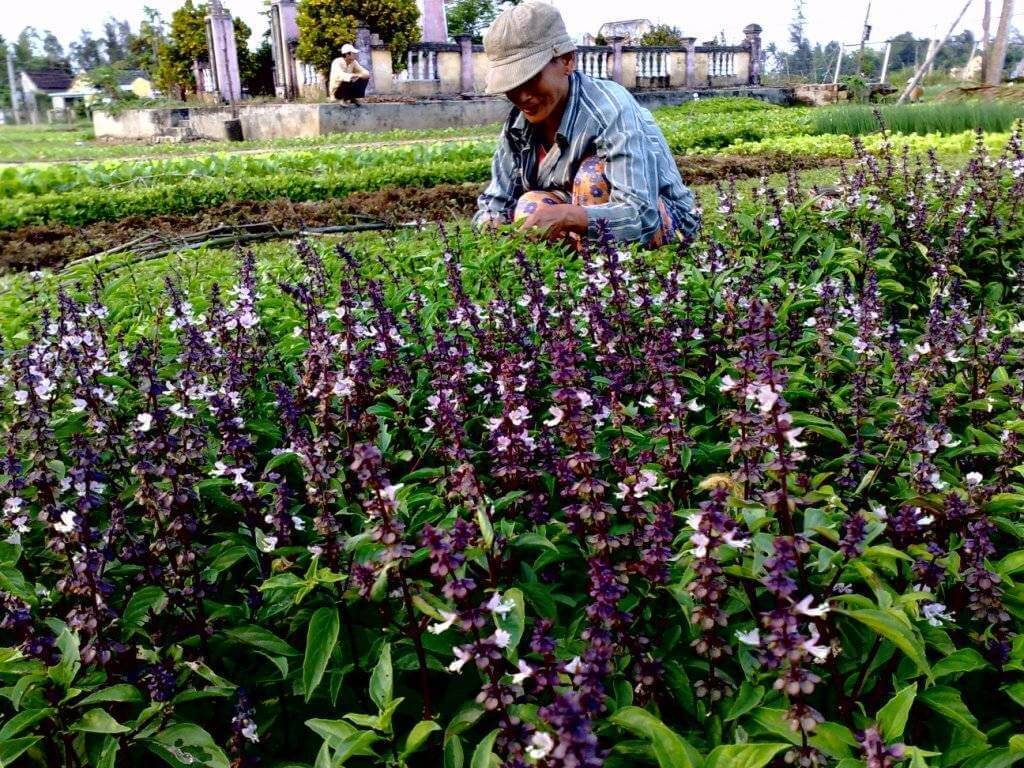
(429,114)
(383,73)
(449,71)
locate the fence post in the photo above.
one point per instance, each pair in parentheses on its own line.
(691,61)
(617,42)
(465,63)
(364,43)
(752,33)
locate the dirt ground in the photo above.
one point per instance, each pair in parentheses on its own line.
(38,246)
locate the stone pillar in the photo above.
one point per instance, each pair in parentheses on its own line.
(752,33)
(434,22)
(364,43)
(220,39)
(284,36)
(690,44)
(466,80)
(617,42)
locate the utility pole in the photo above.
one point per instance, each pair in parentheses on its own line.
(865,34)
(916,79)
(13,87)
(995,65)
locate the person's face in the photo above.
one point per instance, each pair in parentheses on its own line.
(538,97)
(349,57)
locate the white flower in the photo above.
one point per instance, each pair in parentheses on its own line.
(694,520)
(694,406)
(753,637)
(67,521)
(145,422)
(804,607)
(810,322)
(700,544)
(584,397)
(540,745)
(388,491)
(573,666)
(766,398)
(791,438)
(1018,327)
(269,543)
(219,469)
(519,415)
(249,731)
(449,619)
(973,479)
(936,613)
(298,523)
(343,387)
(730,538)
(502,638)
(79,405)
(557,414)
(498,606)
(461,657)
(649,402)
(525,671)
(819,652)
(13,505)
(923,349)
(180,411)
(859,344)
(727,384)
(879,511)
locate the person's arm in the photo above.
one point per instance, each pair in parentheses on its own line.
(335,78)
(498,201)
(632,210)
(360,72)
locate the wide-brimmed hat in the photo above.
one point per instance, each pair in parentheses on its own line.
(347,48)
(520,43)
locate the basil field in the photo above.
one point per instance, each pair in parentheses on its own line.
(431,498)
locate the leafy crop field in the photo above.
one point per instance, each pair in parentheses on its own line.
(471,501)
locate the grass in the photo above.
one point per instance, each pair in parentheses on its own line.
(921,119)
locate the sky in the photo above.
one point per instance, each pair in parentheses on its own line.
(826,19)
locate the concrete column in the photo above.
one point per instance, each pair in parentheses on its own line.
(465,63)
(691,61)
(434,22)
(220,39)
(617,42)
(284,36)
(752,34)
(364,42)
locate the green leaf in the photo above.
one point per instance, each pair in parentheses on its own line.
(321,637)
(108,754)
(958,662)
(454,757)
(98,721)
(994,758)
(23,721)
(382,679)
(122,692)
(356,745)
(418,736)
(482,753)
(743,755)
(186,745)
(747,697)
(139,606)
(12,749)
(64,672)
(533,540)
(331,730)
(261,638)
(894,626)
(483,519)
(670,749)
(946,701)
(463,720)
(892,718)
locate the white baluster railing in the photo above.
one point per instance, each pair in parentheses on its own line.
(420,65)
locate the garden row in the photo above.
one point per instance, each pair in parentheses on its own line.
(750,500)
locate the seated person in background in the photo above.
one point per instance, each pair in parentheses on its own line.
(348,77)
(574,150)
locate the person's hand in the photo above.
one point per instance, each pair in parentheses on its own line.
(556,221)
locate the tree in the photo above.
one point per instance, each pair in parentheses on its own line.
(997,58)
(662,34)
(147,46)
(258,80)
(86,53)
(326,25)
(470,17)
(53,51)
(187,44)
(26,50)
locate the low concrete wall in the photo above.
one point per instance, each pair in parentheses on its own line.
(291,120)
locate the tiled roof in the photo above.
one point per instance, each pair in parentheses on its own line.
(50,79)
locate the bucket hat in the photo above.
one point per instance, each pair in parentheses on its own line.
(521,42)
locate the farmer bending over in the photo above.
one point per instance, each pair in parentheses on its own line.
(574,150)
(348,77)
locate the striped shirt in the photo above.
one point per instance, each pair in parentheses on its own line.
(602,118)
